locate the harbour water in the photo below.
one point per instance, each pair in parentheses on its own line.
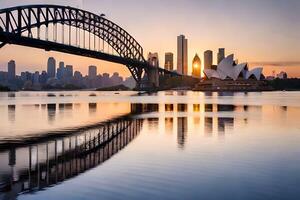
(167,145)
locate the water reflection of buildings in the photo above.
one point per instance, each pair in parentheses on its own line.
(205,119)
(50,162)
(182,126)
(11,112)
(92,108)
(51,108)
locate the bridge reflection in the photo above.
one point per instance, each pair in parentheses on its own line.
(37,166)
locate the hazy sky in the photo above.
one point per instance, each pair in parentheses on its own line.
(257,31)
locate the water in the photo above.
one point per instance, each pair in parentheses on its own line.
(169,145)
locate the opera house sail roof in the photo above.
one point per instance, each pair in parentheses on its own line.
(227,69)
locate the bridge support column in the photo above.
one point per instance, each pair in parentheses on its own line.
(153,77)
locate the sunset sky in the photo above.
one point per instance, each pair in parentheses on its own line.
(261,32)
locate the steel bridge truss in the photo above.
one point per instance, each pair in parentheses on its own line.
(74,31)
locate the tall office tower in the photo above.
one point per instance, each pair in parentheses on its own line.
(182,55)
(208,59)
(51,67)
(69,71)
(221,54)
(196,66)
(61,71)
(169,61)
(11,70)
(153,59)
(92,71)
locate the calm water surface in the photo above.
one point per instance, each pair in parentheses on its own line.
(169,145)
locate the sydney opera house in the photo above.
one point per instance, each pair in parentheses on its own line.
(227,69)
(230,76)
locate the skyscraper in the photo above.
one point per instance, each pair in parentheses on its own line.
(11,69)
(182,55)
(92,71)
(69,71)
(51,68)
(169,61)
(61,71)
(196,66)
(221,54)
(153,59)
(208,59)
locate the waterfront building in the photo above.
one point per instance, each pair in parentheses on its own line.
(182,55)
(51,67)
(221,55)
(208,59)
(69,71)
(92,71)
(196,66)
(169,61)
(153,59)
(11,70)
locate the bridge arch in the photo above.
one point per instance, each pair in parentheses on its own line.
(17,21)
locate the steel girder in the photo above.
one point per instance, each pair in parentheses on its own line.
(18,20)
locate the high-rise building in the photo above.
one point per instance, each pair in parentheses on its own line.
(51,67)
(92,71)
(182,55)
(61,71)
(69,71)
(221,54)
(196,66)
(169,61)
(153,59)
(11,70)
(208,59)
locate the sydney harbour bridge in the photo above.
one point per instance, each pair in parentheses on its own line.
(79,32)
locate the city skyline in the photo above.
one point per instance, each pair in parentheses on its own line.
(251,39)
(149,99)
(58,74)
